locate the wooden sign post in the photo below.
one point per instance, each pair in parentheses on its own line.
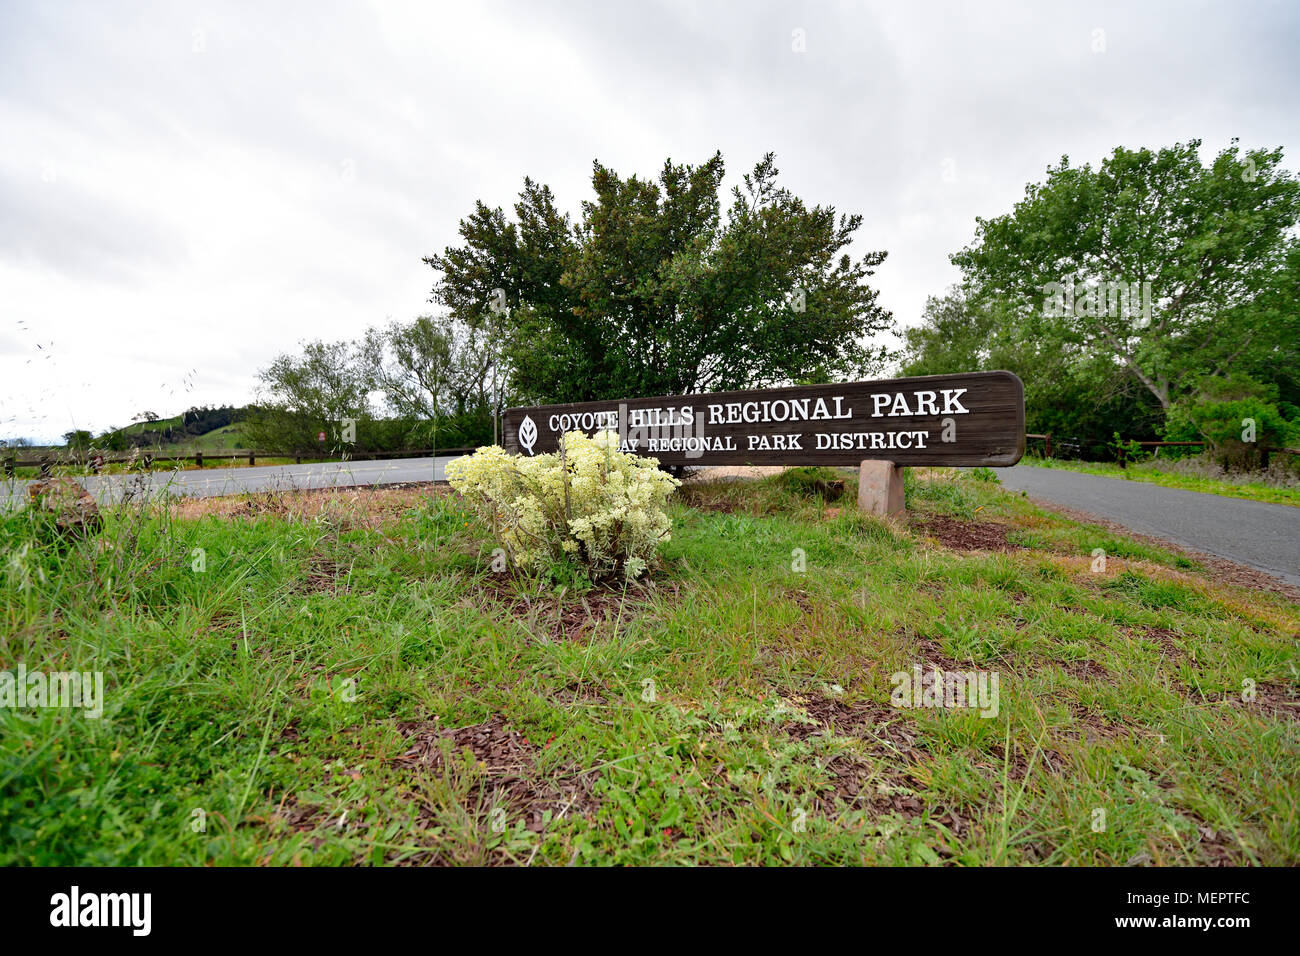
(974,418)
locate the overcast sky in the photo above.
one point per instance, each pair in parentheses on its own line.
(187,190)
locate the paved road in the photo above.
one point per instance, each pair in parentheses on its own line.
(1263,536)
(208,482)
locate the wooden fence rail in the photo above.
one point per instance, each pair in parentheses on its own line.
(1047,440)
(95,462)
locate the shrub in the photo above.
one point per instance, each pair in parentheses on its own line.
(810,482)
(1128,449)
(588,504)
(1220,412)
(982,474)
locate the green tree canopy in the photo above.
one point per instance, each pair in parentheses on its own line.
(1079,397)
(653,291)
(432,365)
(302,395)
(440,374)
(1155,262)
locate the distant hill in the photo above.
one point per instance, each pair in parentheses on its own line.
(196,428)
(225,437)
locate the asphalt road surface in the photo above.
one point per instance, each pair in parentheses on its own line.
(208,482)
(1263,536)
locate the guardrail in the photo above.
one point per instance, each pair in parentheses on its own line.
(96,462)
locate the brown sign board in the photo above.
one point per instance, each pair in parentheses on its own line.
(973,418)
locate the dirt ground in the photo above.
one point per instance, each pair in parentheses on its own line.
(364,505)
(718,472)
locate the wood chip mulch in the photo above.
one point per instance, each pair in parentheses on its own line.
(507,761)
(962,535)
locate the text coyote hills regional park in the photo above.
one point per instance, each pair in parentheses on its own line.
(974,418)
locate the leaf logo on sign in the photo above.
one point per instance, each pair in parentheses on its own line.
(528,434)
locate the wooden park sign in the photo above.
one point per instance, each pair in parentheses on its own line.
(975,418)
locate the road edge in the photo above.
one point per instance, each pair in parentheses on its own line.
(1242,575)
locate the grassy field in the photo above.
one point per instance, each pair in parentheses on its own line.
(226,438)
(1244,486)
(341,678)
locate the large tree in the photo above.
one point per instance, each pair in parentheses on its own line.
(1079,397)
(434,365)
(437,370)
(301,395)
(654,291)
(1269,352)
(1155,262)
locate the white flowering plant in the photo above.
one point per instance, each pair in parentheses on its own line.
(587,504)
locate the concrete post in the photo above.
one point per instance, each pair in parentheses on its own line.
(880,489)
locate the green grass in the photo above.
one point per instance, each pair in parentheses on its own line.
(224,438)
(1251,489)
(298,699)
(161,424)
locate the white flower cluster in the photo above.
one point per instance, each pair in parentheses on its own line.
(589,503)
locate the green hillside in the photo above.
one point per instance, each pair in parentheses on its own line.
(225,438)
(196,428)
(161,424)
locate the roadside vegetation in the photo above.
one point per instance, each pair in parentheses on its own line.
(353,677)
(1151,295)
(341,678)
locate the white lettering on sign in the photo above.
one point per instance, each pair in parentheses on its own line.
(778,410)
(586,421)
(690,443)
(865,441)
(923,403)
(774,443)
